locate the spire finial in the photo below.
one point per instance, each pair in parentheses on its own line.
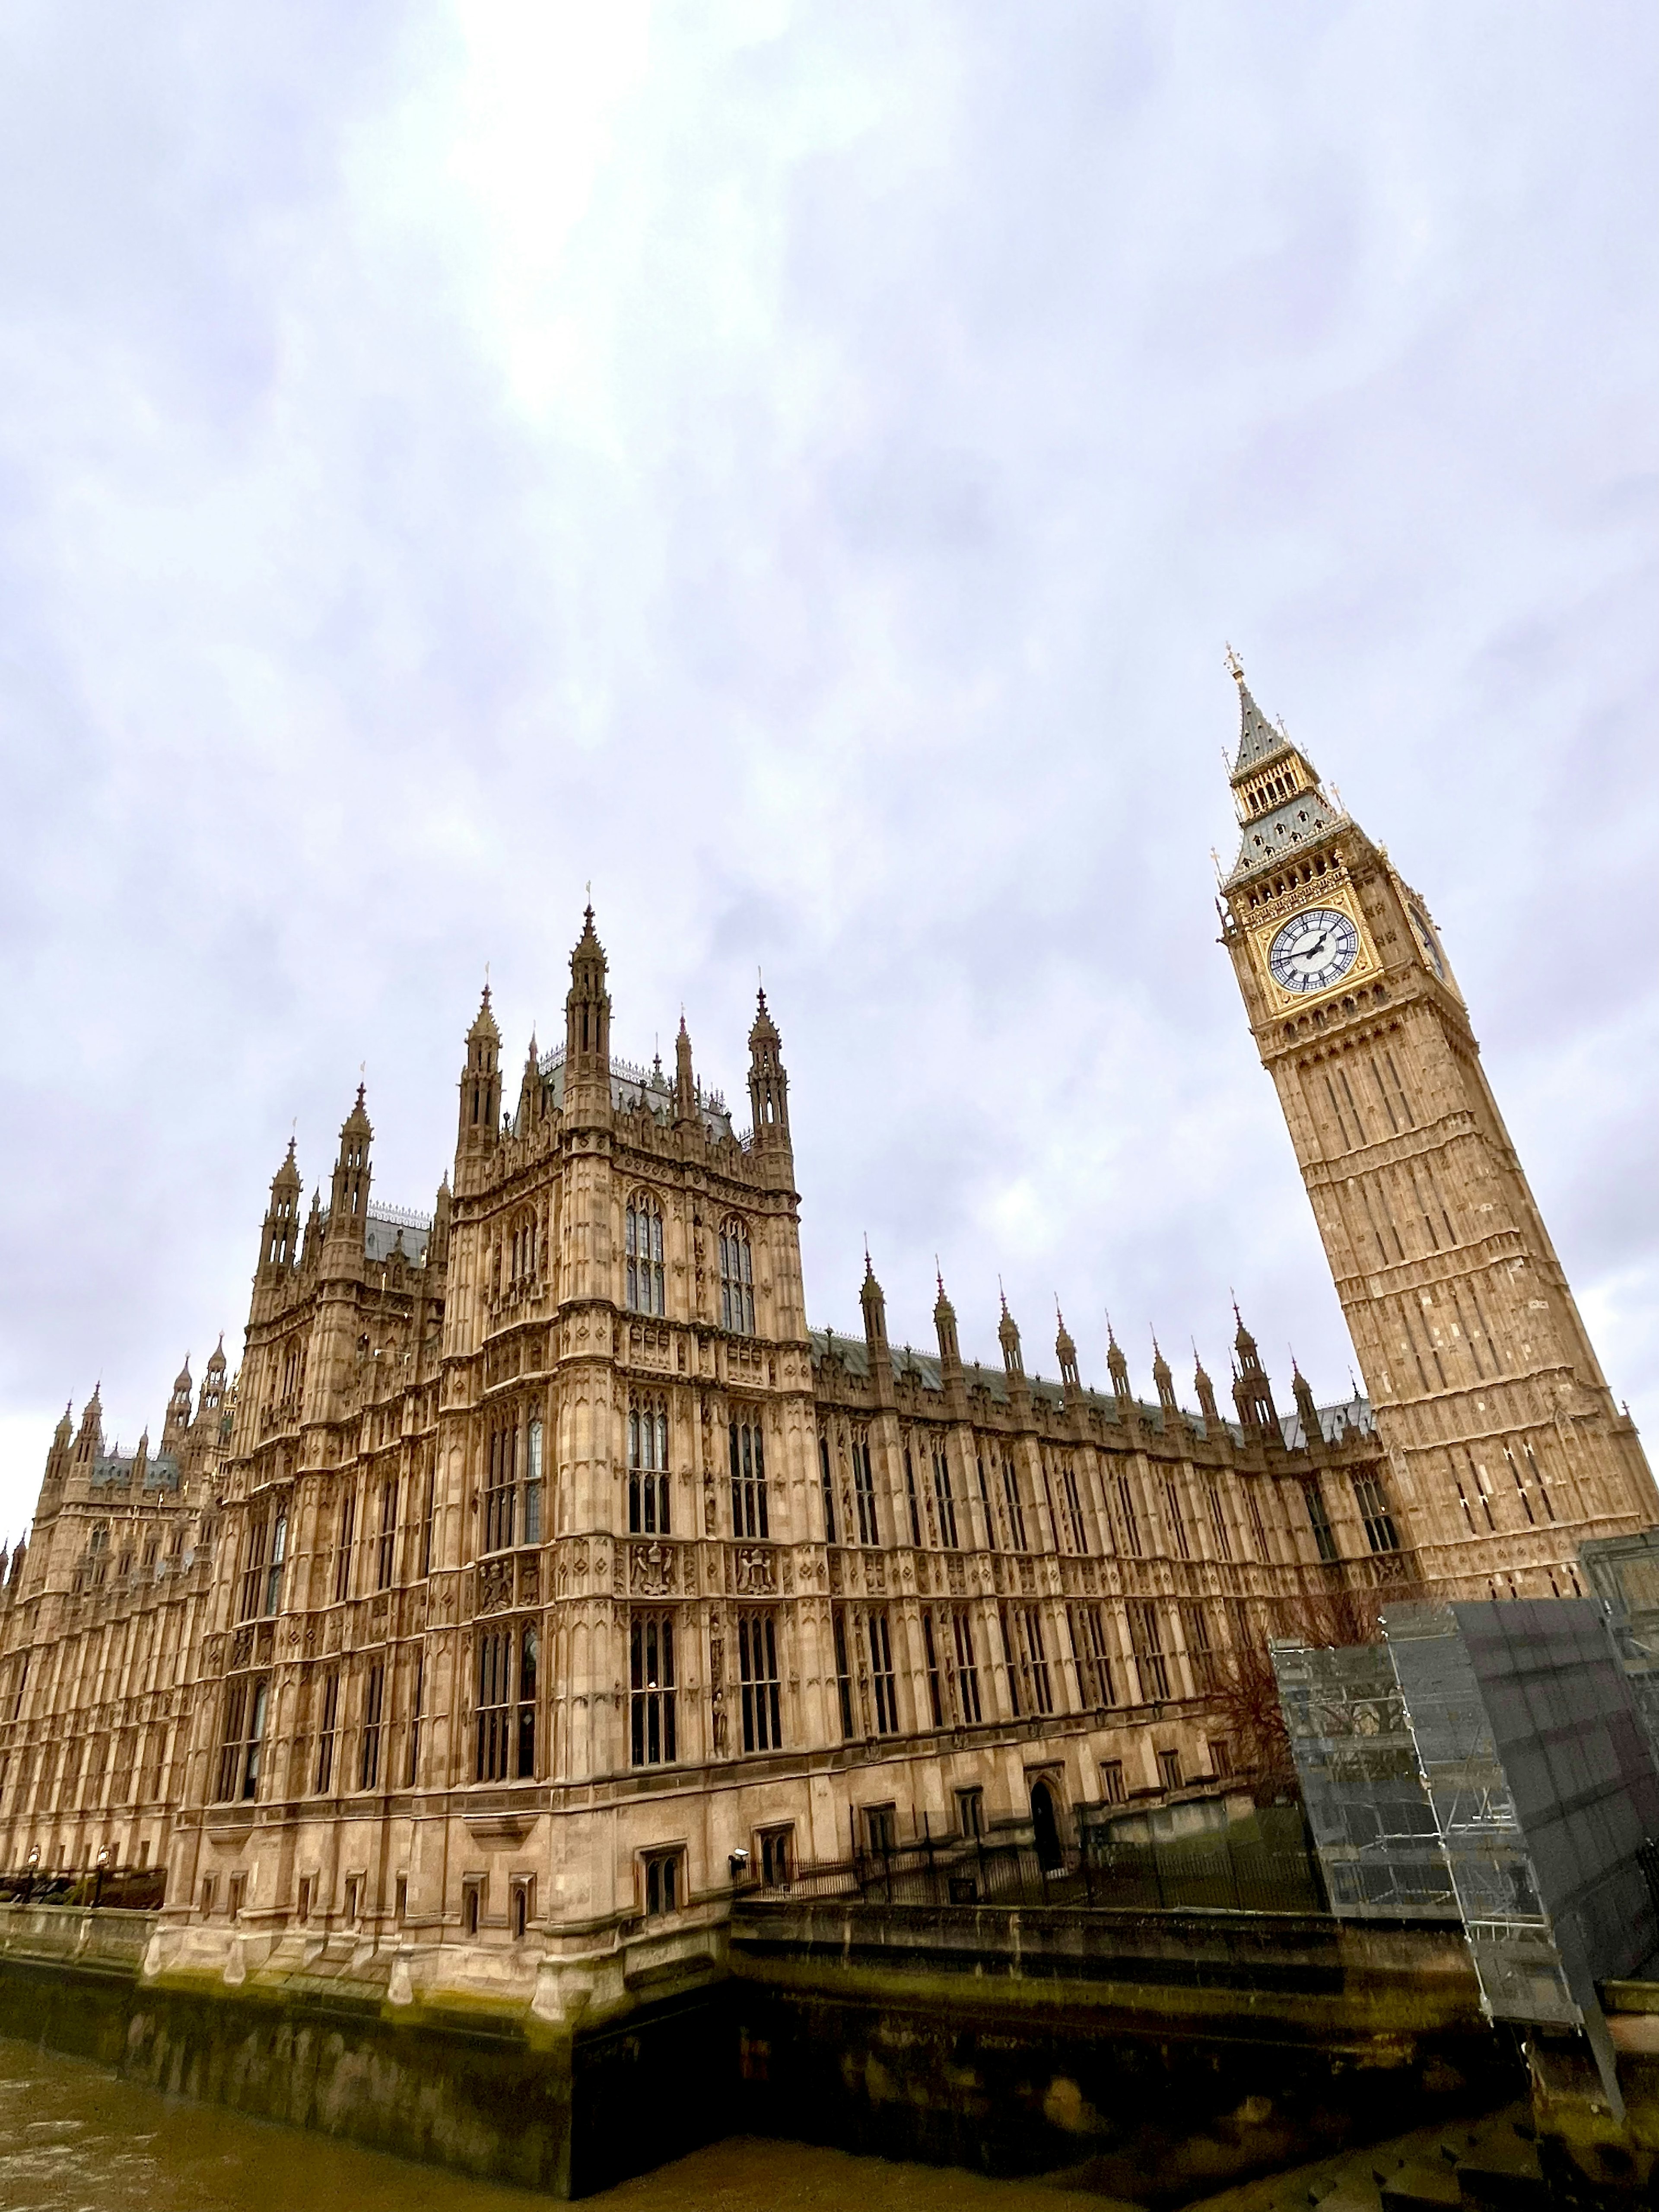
(1235,666)
(1003,1296)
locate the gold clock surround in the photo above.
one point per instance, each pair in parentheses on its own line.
(1328,892)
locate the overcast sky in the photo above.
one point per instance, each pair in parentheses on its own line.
(797,466)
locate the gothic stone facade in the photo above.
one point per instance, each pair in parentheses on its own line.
(542,1560)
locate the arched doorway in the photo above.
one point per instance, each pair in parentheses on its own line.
(1045,1829)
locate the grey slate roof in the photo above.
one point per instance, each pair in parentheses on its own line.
(631,1086)
(381,1228)
(1258,740)
(1349,1417)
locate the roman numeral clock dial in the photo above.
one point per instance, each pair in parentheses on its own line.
(1313,951)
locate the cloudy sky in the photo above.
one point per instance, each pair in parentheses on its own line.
(796,467)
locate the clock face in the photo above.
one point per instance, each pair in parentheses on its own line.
(1428,941)
(1314,950)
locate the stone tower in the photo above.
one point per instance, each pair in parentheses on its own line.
(1505,1447)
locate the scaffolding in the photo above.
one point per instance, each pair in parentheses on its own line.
(1372,1823)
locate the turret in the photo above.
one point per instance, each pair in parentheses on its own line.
(1206,1389)
(1008,1338)
(1066,1353)
(1164,1382)
(1307,1411)
(529,1091)
(63,1437)
(481,1083)
(874,1302)
(347,1212)
(1252,1392)
(279,1238)
(437,1249)
(311,1251)
(178,1407)
(213,1382)
(769,1085)
(89,1439)
(945,1326)
(685,1087)
(587,1026)
(1117,1366)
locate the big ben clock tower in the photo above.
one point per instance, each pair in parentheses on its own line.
(1505,1449)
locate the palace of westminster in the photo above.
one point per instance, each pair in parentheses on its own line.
(542,1571)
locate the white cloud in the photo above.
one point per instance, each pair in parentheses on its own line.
(795,465)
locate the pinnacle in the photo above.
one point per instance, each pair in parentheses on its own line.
(1257,738)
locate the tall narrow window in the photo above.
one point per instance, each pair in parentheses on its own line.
(254,1568)
(415,1721)
(499,1488)
(328,1727)
(1324,1534)
(748,1516)
(1147,1635)
(278,1553)
(241,1743)
(492,1719)
(384,1559)
(930,1651)
(642,1240)
(256,1737)
(369,1765)
(736,1279)
(844,1674)
(529,1652)
(1015,1505)
(882,1685)
(828,1489)
(1128,1524)
(1010,1664)
(647,1469)
(429,1517)
(1032,1659)
(864,1492)
(985,1500)
(962,1633)
(1373,1502)
(1258,1527)
(1223,1545)
(1075,1524)
(342,1551)
(651,1701)
(533,1483)
(1092,1655)
(910,1500)
(758,1671)
(945,1501)
(1200,1652)
(1178,1522)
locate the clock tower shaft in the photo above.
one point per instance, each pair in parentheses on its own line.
(1506,1450)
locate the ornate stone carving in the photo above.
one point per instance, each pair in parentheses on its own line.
(495,1586)
(756,1572)
(650,1569)
(241,1648)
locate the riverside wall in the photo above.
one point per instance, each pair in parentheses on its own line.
(1154,2056)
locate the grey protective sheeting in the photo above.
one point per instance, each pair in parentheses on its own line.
(1536,1773)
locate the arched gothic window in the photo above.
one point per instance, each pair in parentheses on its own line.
(736,1279)
(642,1240)
(647,1469)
